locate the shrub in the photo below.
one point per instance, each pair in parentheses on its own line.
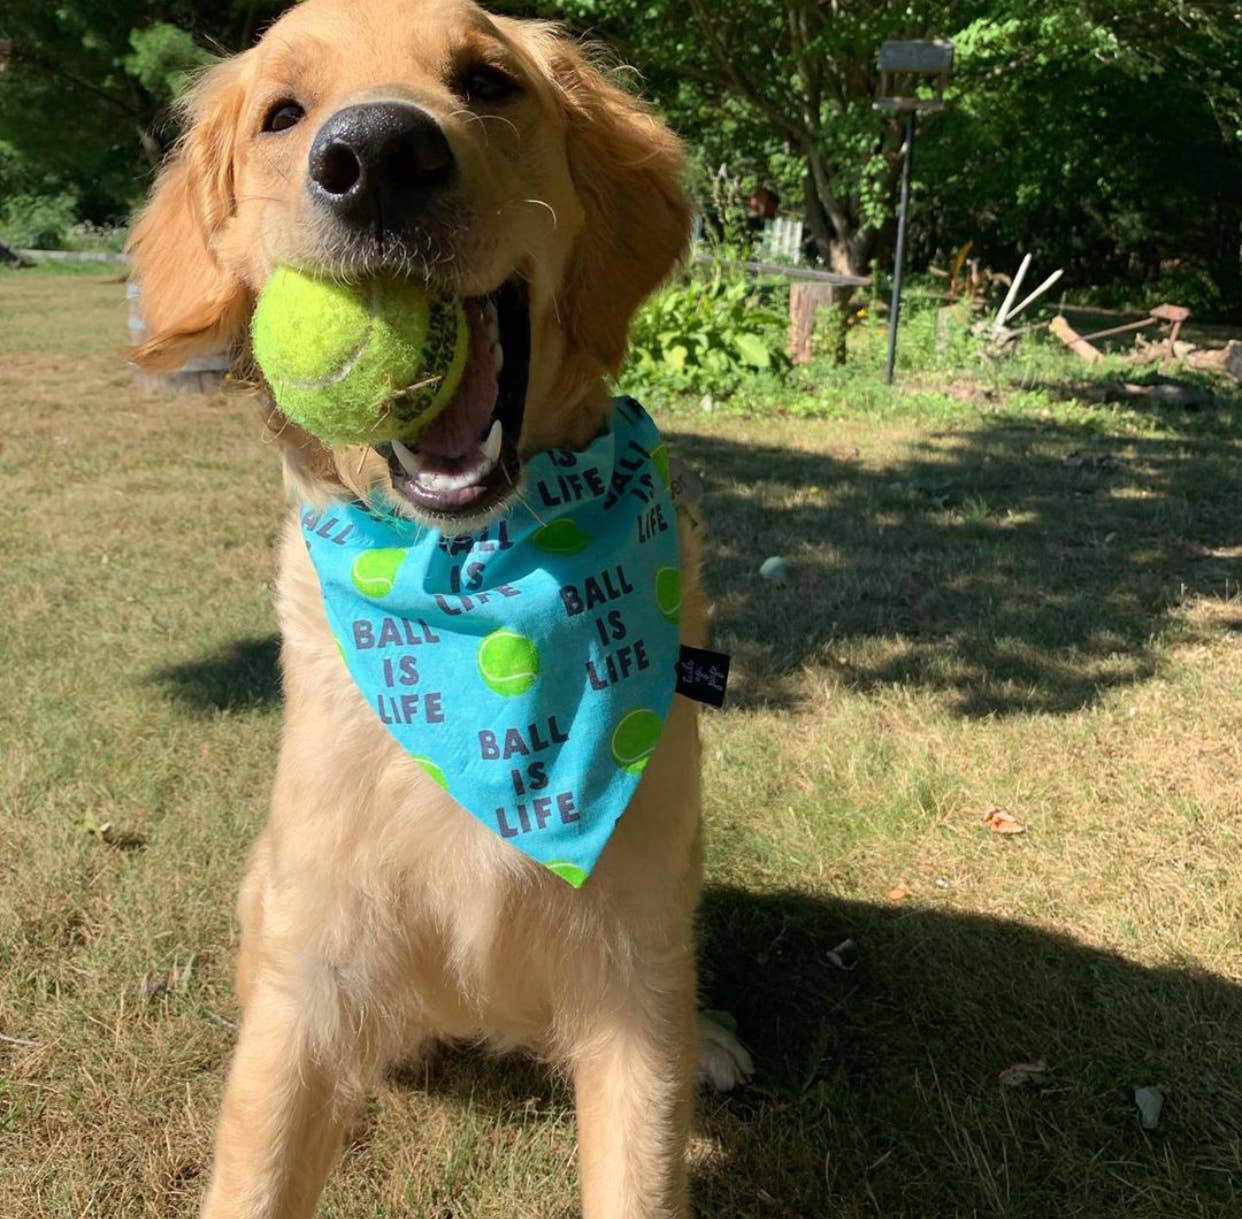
(1191,286)
(88,236)
(39,222)
(706,335)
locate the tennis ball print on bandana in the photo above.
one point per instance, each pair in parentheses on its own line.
(528,669)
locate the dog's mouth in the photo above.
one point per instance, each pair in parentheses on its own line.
(466,461)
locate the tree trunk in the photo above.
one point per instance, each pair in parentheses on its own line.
(151,147)
(843,243)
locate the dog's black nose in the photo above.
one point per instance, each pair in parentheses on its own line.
(379,163)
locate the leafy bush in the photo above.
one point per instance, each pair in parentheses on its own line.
(707,335)
(38,222)
(88,236)
(164,59)
(1191,286)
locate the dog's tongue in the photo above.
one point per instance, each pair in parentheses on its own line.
(461,427)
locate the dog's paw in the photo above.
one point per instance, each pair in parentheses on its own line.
(724,1061)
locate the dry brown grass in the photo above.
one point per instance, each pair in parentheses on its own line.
(972,620)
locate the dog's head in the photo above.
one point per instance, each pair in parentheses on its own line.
(428,137)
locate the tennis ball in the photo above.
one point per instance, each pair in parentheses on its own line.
(359,362)
(374,571)
(562,536)
(508,662)
(634,739)
(568,871)
(432,769)
(668,593)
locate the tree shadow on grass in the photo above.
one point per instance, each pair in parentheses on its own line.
(878,1089)
(243,676)
(1015,567)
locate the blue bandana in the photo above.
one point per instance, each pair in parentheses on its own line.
(527,668)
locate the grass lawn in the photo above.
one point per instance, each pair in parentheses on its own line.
(998,594)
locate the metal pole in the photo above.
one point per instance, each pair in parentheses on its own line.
(895,313)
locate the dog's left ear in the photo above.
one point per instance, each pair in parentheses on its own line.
(191,302)
(629,173)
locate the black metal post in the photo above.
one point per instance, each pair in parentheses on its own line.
(894,318)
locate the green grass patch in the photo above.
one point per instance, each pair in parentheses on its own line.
(1001,595)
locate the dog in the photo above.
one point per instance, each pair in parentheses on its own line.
(491,156)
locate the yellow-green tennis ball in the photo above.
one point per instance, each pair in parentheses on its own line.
(634,739)
(359,363)
(374,571)
(432,770)
(508,662)
(668,592)
(568,871)
(562,536)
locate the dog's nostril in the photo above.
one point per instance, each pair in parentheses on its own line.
(417,158)
(338,169)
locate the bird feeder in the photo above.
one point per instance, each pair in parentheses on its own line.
(905,67)
(913,75)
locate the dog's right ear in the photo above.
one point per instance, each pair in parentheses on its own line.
(192,303)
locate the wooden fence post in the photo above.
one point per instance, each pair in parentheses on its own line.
(805,302)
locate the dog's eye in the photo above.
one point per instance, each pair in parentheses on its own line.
(283,115)
(485,84)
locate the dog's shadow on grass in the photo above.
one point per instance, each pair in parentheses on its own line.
(242,676)
(1015,566)
(880,1089)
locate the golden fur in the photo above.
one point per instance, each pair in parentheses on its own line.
(376,915)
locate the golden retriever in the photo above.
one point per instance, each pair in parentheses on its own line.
(485,153)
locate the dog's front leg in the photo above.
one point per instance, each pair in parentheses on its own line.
(633,1087)
(289,1095)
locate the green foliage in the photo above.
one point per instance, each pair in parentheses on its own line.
(1102,138)
(942,371)
(1105,135)
(1191,286)
(163,59)
(39,222)
(85,98)
(708,335)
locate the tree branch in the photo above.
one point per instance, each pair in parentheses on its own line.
(54,70)
(746,88)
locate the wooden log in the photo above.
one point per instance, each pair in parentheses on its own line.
(119,260)
(1233,359)
(1073,340)
(805,302)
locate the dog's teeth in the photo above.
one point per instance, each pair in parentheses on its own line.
(491,446)
(457,482)
(410,462)
(492,317)
(498,357)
